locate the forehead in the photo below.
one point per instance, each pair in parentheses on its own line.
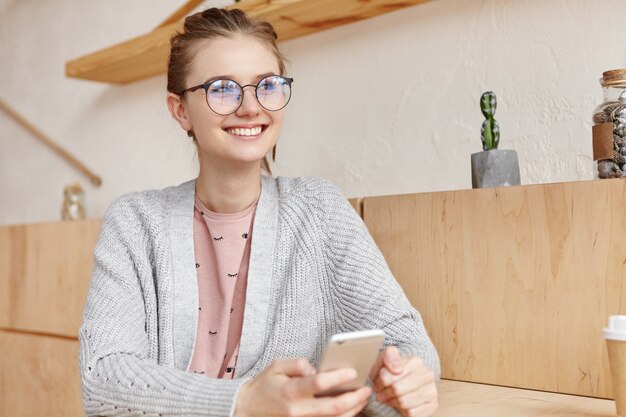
(241,57)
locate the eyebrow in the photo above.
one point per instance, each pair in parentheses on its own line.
(230,77)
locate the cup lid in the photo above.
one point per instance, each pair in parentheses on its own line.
(616,329)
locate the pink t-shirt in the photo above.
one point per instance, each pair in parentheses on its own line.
(222,250)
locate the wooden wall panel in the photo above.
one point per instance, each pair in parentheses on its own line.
(5,244)
(39,376)
(45,273)
(514,284)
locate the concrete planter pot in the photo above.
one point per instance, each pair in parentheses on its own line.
(495,168)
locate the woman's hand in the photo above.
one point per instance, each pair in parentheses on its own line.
(287,388)
(404,383)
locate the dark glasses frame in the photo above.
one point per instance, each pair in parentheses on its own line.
(208,84)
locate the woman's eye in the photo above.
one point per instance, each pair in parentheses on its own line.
(270,84)
(223,88)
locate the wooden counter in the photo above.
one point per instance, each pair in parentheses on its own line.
(45,270)
(515,283)
(466,399)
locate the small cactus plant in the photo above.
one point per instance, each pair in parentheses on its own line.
(490,131)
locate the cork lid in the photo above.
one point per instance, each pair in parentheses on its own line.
(616,76)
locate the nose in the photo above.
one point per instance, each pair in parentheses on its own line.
(249,104)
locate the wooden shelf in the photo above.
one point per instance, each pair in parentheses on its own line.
(146,56)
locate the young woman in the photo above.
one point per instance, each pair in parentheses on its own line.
(216,297)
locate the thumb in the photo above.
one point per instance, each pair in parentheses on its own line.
(293,367)
(391,359)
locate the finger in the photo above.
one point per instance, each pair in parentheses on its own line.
(414,400)
(413,381)
(356,410)
(293,367)
(392,359)
(385,379)
(336,406)
(314,384)
(409,364)
(391,353)
(423,410)
(406,403)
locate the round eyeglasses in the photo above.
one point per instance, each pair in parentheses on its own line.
(225,96)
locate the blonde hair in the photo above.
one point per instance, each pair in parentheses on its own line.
(208,25)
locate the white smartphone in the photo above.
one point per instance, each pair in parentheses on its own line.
(357,350)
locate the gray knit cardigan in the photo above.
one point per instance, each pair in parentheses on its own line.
(314,271)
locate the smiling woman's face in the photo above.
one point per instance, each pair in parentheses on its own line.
(247,135)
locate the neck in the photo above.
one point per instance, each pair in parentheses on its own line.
(228,189)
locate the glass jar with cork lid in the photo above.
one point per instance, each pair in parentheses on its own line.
(609,126)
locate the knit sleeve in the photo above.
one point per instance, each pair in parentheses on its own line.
(119,372)
(368,295)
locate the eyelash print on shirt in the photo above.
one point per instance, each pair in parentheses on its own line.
(212,333)
(232,275)
(219,238)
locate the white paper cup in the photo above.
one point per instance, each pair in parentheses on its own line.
(615,335)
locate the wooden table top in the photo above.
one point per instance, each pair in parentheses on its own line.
(465,399)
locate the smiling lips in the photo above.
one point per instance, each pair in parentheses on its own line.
(240,131)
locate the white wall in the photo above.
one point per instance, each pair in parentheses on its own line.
(403,116)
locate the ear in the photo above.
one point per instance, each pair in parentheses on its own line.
(176,106)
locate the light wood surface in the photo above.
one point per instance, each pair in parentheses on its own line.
(5,256)
(515,284)
(146,55)
(463,399)
(39,376)
(45,273)
(52,145)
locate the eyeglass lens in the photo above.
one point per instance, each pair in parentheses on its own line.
(225,96)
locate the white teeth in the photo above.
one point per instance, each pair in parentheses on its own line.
(246,131)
